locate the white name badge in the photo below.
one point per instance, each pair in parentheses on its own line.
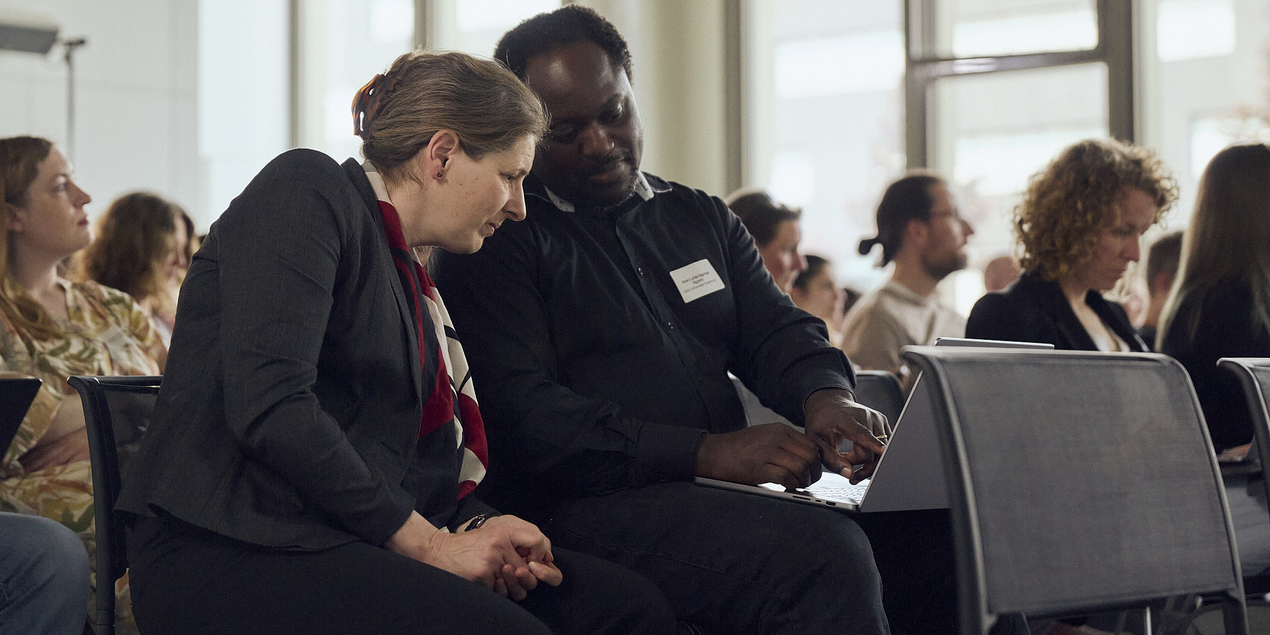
(696,280)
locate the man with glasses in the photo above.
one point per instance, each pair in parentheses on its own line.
(921,231)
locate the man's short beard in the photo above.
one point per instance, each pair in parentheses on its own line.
(582,198)
(938,270)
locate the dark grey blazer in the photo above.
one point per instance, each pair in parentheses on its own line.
(290,407)
(1035,310)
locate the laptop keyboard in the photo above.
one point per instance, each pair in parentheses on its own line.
(836,488)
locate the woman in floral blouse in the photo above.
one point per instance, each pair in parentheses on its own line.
(52,328)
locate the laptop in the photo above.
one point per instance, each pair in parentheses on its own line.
(909,476)
(16,395)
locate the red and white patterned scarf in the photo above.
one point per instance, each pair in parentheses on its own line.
(453,399)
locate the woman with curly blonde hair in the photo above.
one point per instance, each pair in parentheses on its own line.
(141,249)
(1079,226)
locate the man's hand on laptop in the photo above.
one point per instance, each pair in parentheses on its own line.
(767,453)
(832,417)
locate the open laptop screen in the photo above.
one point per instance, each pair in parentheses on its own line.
(16,395)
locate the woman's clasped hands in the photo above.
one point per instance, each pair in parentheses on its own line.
(507,554)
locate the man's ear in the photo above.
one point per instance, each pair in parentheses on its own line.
(915,233)
(441,149)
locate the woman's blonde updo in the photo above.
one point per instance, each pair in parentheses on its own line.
(488,107)
(1068,205)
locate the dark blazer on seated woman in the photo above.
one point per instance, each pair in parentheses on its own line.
(1035,310)
(295,315)
(1226,328)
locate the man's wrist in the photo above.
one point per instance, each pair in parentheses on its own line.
(821,396)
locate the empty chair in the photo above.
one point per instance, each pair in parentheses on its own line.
(1078,482)
(881,391)
(116,411)
(1254,376)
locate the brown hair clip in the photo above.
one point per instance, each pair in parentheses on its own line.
(369,100)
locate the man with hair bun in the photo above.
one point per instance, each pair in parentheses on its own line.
(604,328)
(921,231)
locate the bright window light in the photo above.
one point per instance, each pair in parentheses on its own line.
(1191,29)
(1210,135)
(392,20)
(337,123)
(793,178)
(1067,31)
(1001,164)
(498,15)
(865,63)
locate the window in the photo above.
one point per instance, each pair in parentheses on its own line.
(825,125)
(992,132)
(341,45)
(242,93)
(990,28)
(474,26)
(1205,83)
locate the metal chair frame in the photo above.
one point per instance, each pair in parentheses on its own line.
(112,557)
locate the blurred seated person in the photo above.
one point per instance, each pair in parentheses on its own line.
(53,328)
(776,233)
(816,292)
(310,464)
(1220,307)
(141,248)
(1134,297)
(1162,264)
(1000,273)
(1080,225)
(849,298)
(921,231)
(44,580)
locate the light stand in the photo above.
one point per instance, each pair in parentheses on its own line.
(28,33)
(69,47)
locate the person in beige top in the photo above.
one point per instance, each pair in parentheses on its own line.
(51,328)
(921,231)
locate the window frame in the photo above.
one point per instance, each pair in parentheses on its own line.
(1117,38)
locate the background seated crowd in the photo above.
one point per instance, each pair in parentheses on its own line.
(318,430)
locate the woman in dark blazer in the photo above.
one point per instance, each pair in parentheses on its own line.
(311,458)
(1080,225)
(1220,307)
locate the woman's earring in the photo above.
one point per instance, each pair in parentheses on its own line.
(440,174)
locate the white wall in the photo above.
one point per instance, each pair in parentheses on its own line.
(136,96)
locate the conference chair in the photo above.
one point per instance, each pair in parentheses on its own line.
(881,391)
(117,411)
(1078,483)
(1254,376)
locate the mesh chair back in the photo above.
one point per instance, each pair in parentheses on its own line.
(1078,482)
(117,411)
(1254,375)
(880,391)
